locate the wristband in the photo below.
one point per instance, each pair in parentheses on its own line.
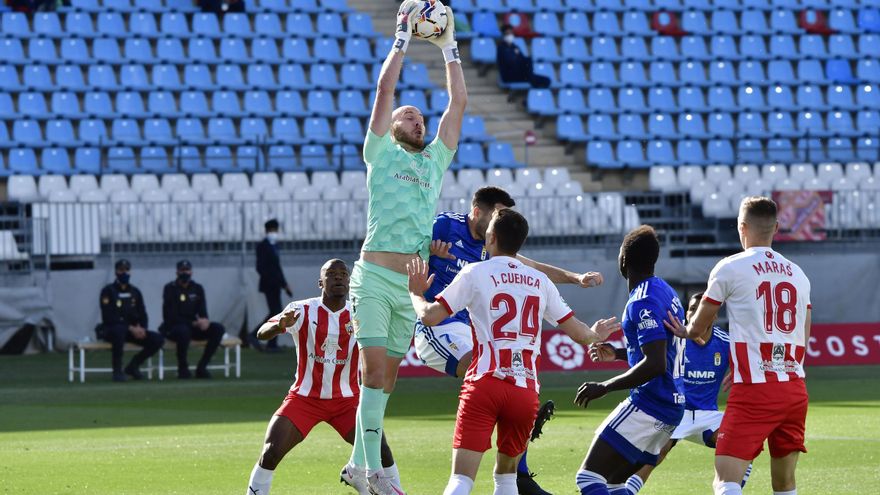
(450,53)
(401,43)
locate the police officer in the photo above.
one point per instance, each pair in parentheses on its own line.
(185,315)
(124,319)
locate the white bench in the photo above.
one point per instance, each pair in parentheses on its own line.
(79,350)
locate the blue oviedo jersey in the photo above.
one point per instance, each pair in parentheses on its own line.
(663,396)
(453,228)
(704,369)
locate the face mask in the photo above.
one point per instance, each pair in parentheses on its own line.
(508,38)
(272,237)
(184,277)
(123,278)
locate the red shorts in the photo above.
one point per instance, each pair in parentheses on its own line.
(305,413)
(490,401)
(776,412)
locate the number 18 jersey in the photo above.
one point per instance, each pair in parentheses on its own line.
(506,301)
(767,299)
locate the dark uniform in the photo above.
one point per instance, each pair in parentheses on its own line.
(272,279)
(122,306)
(182,304)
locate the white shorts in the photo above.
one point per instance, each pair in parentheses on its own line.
(441,347)
(633,433)
(698,426)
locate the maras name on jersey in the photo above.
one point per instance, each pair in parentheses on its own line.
(772,267)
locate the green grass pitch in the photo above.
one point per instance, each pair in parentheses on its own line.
(202,437)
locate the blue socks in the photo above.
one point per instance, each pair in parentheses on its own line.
(523,466)
(590,483)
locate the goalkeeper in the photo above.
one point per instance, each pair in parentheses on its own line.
(404,178)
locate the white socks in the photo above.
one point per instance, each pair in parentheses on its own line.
(392,472)
(260,482)
(727,488)
(505,484)
(460,484)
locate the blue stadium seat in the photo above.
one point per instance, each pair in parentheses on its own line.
(601,126)
(439,101)
(840,97)
(869,45)
(357,50)
(23,161)
(840,149)
(55,161)
(721,98)
(222,130)
(634,22)
(601,100)
(194,104)
(268,25)
(360,25)
(301,24)
(354,76)
(143,25)
(500,155)
(749,151)
(660,153)
(286,131)
(470,155)
(126,131)
(219,158)
(868,96)
(118,5)
(571,101)
(483,50)
(631,126)
(574,24)
(570,128)
(551,5)
(330,25)
(724,22)
(781,72)
(37,77)
(202,50)
(42,51)
(198,76)
(783,21)
(780,151)
(753,47)
(261,76)
(868,70)
(74,50)
(314,157)
(229,77)
(238,25)
(138,51)
(327,50)
(664,48)
(547,71)
(840,124)
(154,159)
(751,98)
(545,23)
(415,76)
(720,151)
(281,158)
(661,99)
(15,24)
(842,20)
(130,104)
(258,103)
(632,100)
(174,24)
(226,104)
(604,23)
(524,6)
(782,46)
(781,98)
(112,24)
(93,131)
(415,98)
(600,153)
(867,149)
(157,132)
(721,72)
(754,22)
(660,125)
(691,125)
(290,103)
(233,50)
(11,52)
(723,48)
(838,71)
(96,104)
(751,125)
(810,71)
(248,158)
(633,48)
(691,98)
(162,104)
(324,76)
(134,77)
(868,121)
(320,103)
(107,51)
(601,73)
(190,130)
(690,152)
(662,74)
(573,50)
(842,46)
(347,157)
(32,105)
(473,128)
(206,25)
(721,125)
(165,76)
(336,5)
(9,79)
(158,7)
(310,6)
(810,124)
(631,154)
(59,132)
(188,159)
(692,73)
(604,49)
(265,51)
(48,25)
(811,150)
(812,46)
(694,48)
(694,21)
(780,124)
(7,108)
(79,24)
(292,76)
(349,129)
(6,141)
(170,51)
(317,130)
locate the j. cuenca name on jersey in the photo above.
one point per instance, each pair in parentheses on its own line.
(511,278)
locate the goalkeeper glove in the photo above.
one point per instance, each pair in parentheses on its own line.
(405,21)
(446,41)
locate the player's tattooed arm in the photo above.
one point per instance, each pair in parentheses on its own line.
(562,276)
(650,367)
(430,313)
(276,325)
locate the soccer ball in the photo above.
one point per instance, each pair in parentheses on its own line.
(430,19)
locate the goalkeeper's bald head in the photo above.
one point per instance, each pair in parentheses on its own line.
(408,127)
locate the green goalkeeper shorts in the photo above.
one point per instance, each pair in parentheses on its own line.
(382,311)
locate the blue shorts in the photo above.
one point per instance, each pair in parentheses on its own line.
(442,347)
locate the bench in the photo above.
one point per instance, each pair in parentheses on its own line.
(79,349)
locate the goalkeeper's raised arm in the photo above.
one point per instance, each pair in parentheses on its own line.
(380,120)
(450,123)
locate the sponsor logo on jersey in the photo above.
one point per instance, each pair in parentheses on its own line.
(331,345)
(645,314)
(459,243)
(415,180)
(706,375)
(648,321)
(717,359)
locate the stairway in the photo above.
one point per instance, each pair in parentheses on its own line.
(507,121)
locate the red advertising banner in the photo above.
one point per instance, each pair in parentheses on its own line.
(801,215)
(839,344)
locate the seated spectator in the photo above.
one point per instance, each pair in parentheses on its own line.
(124,319)
(185,312)
(513,65)
(221,6)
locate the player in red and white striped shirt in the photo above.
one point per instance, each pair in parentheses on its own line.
(326,387)
(507,301)
(768,305)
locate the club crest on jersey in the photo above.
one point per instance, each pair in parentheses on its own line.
(717,359)
(484,255)
(768,254)
(778,353)
(516,361)
(349,328)
(512,266)
(459,243)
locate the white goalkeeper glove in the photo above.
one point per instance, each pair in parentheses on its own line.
(446,41)
(405,21)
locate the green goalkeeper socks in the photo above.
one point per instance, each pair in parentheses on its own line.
(371,413)
(357,453)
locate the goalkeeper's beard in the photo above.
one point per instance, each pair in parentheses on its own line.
(401,137)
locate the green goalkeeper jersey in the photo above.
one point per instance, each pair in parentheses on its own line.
(403,189)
